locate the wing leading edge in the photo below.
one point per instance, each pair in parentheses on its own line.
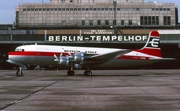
(106,57)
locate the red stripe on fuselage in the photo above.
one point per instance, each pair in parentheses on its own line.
(27,53)
(31,53)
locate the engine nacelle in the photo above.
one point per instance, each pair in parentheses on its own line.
(78,57)
(77,66)
(64,60)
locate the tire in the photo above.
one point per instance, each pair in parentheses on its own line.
(70,73)
(19,73)
(87,73)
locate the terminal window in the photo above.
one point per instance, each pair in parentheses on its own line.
(114,22)
(99,22)
(167,20)
(130,22)
(94,9)
(106,22)
(62,1)
(83,22)
(122,22)
(149,20)
(90,22)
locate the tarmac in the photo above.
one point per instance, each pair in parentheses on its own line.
(106,90)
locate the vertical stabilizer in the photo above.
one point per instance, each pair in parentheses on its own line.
(152,45)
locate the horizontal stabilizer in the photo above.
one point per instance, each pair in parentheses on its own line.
(162,59)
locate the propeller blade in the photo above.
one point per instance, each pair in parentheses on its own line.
(56,58)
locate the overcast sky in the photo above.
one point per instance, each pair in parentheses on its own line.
(7,8)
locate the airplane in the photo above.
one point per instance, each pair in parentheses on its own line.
(72,57)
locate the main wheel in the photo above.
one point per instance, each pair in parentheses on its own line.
(70,73)
(19,73)
(87,73)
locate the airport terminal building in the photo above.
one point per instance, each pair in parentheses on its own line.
(95,14)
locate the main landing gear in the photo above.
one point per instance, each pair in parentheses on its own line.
(71,72)
(88,72)
(19,72)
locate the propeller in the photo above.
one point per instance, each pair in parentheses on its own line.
(56,58)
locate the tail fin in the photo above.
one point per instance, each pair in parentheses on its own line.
(152,45)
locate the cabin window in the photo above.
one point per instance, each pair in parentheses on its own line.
(19,50)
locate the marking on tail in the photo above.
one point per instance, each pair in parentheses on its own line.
(153,40)
(152,45)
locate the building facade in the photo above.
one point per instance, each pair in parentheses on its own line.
(95,13)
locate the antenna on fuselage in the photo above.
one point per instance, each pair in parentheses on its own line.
(35,43)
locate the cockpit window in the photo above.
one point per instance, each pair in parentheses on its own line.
(19,50)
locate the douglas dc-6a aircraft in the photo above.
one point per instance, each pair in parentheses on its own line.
(79,57)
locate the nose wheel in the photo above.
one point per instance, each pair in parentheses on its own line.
(19,72)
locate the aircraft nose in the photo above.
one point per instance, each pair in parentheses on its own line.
(9,58)
(6,56)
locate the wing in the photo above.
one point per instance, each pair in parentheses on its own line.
(105,57)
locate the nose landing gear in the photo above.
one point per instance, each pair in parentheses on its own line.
(19,72)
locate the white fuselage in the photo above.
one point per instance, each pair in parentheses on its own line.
(43,55)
